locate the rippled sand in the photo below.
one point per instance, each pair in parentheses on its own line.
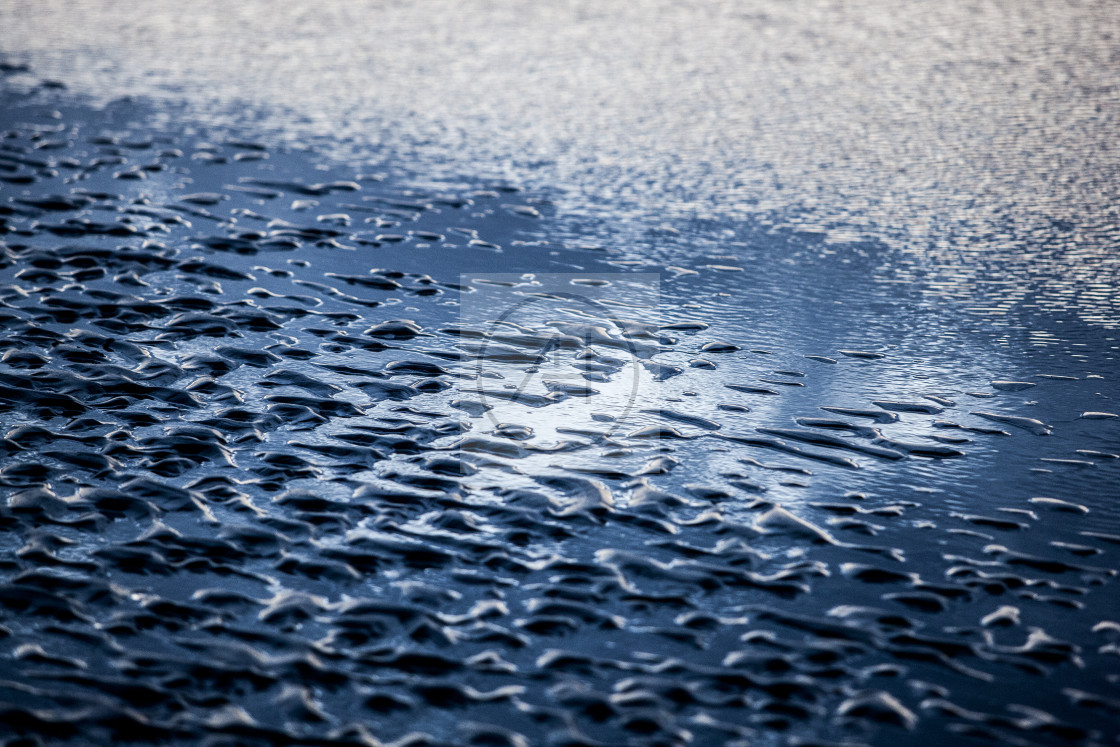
(304,446)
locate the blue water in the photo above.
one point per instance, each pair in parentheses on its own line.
(890,217)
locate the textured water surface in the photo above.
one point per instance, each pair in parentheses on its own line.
(526,376)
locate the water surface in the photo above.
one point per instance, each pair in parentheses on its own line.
(866,491)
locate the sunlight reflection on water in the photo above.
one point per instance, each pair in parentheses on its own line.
(976,138)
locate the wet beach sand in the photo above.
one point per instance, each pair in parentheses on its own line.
(312,439)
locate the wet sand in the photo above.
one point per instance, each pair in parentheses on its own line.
(271,473)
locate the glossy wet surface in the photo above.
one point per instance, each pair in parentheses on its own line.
(253,491)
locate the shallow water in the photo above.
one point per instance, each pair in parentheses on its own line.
(807,429)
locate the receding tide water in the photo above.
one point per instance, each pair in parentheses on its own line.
(576,374)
